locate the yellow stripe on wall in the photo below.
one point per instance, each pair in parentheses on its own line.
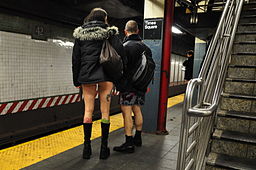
(34,151)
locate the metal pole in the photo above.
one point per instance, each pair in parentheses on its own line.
(165,71)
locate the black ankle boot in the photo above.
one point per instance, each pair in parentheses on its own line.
(127,147)
(104,150)
(137,139)
(87,152)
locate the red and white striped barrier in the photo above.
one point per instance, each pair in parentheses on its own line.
(21,106)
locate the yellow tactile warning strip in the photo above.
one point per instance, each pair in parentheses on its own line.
(175,100)
(34,151)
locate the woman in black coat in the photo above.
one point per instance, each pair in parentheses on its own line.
(188,64)
(89,75)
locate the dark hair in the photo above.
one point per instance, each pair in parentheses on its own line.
(131,26)
(96,14)
(190,52)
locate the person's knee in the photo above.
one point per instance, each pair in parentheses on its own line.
(136,110)
(126,110)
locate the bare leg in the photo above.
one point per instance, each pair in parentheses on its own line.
(138,124)
(138,117)
(89,93)
(128,123)
(128,146)
(105,98)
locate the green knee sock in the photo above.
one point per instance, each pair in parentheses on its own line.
(105,121)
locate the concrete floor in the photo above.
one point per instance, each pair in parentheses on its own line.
(157,153)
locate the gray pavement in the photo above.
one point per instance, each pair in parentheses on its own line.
(157,153)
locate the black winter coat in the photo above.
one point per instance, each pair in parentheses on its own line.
(86,51)
(133,47)
(189,68)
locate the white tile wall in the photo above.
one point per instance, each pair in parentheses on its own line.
(176,72)
(32,69)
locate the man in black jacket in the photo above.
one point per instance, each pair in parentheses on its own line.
(188,64)
(131,99)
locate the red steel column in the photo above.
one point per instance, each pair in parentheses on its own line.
(165,71)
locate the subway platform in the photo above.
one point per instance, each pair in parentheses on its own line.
(158,152)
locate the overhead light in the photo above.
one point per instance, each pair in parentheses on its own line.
(194,18)
(175,30)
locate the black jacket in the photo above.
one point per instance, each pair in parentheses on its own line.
(86,51)
(133,47)
(189,68)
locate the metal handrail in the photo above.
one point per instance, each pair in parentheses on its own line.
(203,93)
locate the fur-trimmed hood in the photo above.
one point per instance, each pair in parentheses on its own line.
(94,31)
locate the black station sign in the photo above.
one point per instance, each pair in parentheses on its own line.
(39,32)
(153,29)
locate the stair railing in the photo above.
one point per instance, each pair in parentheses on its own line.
(203,93)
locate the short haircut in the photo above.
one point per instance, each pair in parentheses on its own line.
(96,14)
(131,26)
(190,52)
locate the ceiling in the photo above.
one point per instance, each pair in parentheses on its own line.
(72,12)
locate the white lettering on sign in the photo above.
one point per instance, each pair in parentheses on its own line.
(150,25)
(151,22)
(147,27)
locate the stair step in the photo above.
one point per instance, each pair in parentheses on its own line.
(247,32)
(243,59)
(248,24)
(250,11)
(240,37)
(247,19)
(248,16)
(246,29)
(240,103)
(244,122)
(249,6)
(231,162)
(233,145)
(242,66)
(240,80)
(234,136)
(239,115)
(238,96)
(244,47)
(242,71)
(240,86)
(246,42)
(245,53)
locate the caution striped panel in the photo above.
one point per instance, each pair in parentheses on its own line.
(33,104)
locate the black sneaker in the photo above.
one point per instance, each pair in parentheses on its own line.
(125,148)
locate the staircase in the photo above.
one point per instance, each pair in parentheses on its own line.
(233,143)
